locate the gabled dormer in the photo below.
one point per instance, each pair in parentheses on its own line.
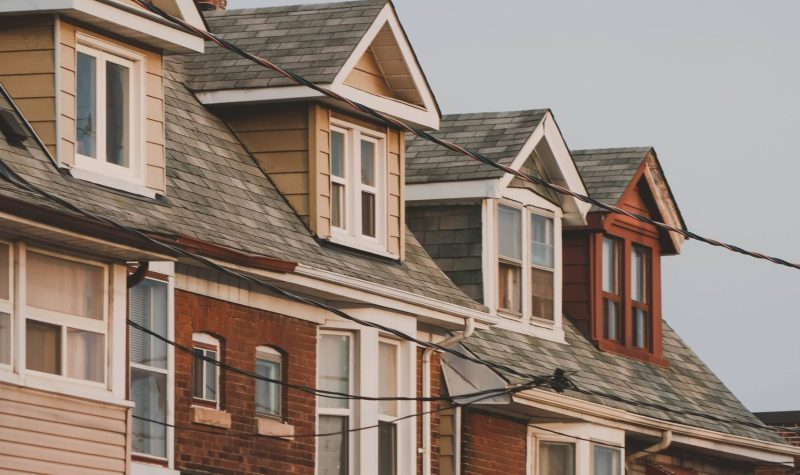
(497,237)
(89,77)
(612,275)
(340,169)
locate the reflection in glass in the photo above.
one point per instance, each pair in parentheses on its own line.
(86,106)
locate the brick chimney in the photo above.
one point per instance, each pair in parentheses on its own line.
(210,5)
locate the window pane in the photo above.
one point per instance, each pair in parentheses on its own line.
(4,272)
(556,458)
(197,373)
(333,449)
(612,321)
(387,377)
(117,105)
(337,205)
(85,351)
(64,286)
(607,461)
(337,154)
(210,376)
(268,394)
(43,347)
(641,328)
(148,308)
(334,368)
(639,271)
(610,266)
(5,338)
(542,290)
(387,448)
(367,163)
(367,214)
(149,392)
(86,106)
(542,241)
(510,232)
(510,287)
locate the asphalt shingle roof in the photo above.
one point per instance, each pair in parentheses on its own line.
(607,172)
(311,40)
(498,135)
(687,384)
(217,193)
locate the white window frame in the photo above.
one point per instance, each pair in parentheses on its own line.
(7,306)
(351,234)
(270,354)
(352,405)
(398,384)
(583,435)
(206,339)
(608,446)
(98,170)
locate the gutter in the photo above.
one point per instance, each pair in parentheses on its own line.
(469,329)
(664,443)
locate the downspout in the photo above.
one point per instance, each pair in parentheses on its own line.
(666,440)
(469,329)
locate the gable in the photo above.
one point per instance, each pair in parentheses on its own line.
(534,166)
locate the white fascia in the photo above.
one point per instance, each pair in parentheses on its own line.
(126,20)
(451,190)
(694,436)
(574,210)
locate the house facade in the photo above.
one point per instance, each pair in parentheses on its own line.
(157,189)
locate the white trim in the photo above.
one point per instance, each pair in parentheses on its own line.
(205,338)
(257,94)
(595,435)
(450,190)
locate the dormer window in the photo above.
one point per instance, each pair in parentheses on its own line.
(613,328)
(640,270)
(358,187)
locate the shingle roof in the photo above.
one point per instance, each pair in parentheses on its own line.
(217,193)
(498,135)
(607,172)
(311,40)
(686,384)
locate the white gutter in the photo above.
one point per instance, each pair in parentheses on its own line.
(469,329)
(666,441)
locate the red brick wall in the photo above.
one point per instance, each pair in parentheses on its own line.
(492,444)
(793,438)
(241,329)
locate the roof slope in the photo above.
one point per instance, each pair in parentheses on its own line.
(687,384)
(498,135)
(217,193)
(608,172)
(312,40)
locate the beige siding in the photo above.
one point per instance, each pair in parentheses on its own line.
(367,76)
(27,70)
(51,434)
(154,103)
(320,172)
(395,168)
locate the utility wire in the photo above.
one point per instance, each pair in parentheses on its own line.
(455,147)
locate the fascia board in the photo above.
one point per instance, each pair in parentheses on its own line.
(450,190)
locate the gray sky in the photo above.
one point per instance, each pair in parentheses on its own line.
(713,85)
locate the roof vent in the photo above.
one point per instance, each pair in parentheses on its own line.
(211,5)
(11,127)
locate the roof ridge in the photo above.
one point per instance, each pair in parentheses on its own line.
(515,111)
(294,6)
(612,150)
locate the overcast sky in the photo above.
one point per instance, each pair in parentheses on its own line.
(713,85)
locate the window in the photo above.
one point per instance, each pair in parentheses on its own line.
(65,317)
(149,367)
(5,304)
(606,460)
(205,373)
(358,187)
(613,328)
(556,458)
(108,122)
(335,367)
(269,364)
(640,265)
(388,380)
(542,266)
(510,262)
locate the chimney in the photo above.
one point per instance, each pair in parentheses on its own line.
(210,5)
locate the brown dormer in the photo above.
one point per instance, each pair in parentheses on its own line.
(612,266)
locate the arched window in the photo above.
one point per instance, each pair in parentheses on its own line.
(269,364)
(205,373)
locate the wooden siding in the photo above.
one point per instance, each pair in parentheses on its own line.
(319,139)
(52,434)
(27,70)
(395,168)
(155,172)
(367,76)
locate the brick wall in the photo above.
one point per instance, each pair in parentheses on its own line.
(492,444)
(452,235)
(793,438)
(241,329)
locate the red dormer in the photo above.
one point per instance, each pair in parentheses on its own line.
(612,266)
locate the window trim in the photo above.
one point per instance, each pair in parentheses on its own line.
(353,406)
(7,305)
(619,298)
(583,435)
(351,234)
(98,170)
(643,306)
(206,342)
(598,443)
(272,354)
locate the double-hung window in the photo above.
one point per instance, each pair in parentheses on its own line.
(606,460)
(335,373)
(542,266)
(205,373)
(358,187)
(149,367)
(6,304)
(510,259)
(577,449)
(269,364)
(613,327)
(388,378)
(640,308)
(556,458)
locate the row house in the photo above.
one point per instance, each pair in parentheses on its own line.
(146,127)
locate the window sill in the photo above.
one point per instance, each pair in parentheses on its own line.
(142,468)
(639,354)
(274,428)
(517,317)
(110,182)
(362,246)
(65,387)
(211,417)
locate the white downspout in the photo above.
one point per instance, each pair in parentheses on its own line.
(666,440)
(469,329)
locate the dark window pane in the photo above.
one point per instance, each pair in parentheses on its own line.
(211,377)
(43,347)
(337,205)
(367,163)
(387,448)
(367,214)
(333,449)
(542,290)
(197,374)
(86,106)
(149,392)
(148,308)
(117,110)
(612,321)
(337,154)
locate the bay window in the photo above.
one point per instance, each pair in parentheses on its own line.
(613,328)
(335,373)
(269,364)
(205,374)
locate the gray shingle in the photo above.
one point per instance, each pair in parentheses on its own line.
(608,172)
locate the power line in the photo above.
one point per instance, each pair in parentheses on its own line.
(455,147)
